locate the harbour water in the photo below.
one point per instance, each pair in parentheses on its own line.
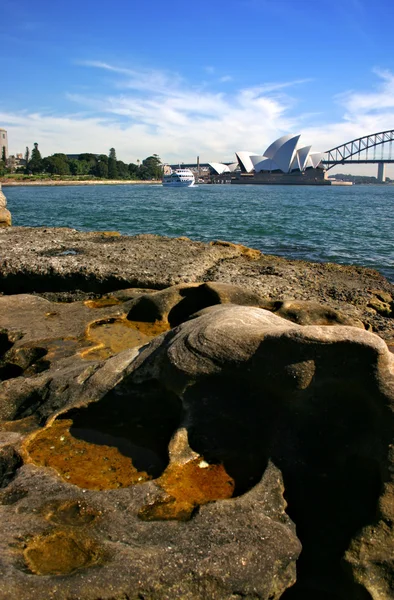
(347,225)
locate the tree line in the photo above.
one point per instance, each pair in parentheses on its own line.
(93,165)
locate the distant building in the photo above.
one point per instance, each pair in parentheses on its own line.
(282,156)
(3,143)
(15,162)
(283,162)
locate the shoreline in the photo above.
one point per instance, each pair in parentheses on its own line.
(75,182)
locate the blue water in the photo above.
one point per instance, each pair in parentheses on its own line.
(348,225)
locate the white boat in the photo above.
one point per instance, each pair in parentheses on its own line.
(179,178)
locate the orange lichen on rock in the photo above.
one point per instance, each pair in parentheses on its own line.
(75,513)
(61,553)
(114,335)
(250,253)
(25,425)
(187,486)
(91,466)
(102,302)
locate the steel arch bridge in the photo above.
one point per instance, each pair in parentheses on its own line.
(362,151)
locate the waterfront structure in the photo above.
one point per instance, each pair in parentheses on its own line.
(356,152)
(3,143)
(285,161)
(283,155)
(220,168)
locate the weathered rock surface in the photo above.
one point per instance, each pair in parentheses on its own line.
(279,407)
(68,264)
(164,435)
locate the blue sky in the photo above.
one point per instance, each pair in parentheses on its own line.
(180,79)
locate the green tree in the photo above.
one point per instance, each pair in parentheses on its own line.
(35,164)
(3,156)
(88,163)
(57,164)
(101,169)
(75,166)
(123,170)
(153,166)
(27,156)
(112,166)
(134,171)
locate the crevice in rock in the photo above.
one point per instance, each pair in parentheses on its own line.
(193,300)
(30,282)
(5,342)
(319,417)
(331,465)
(242,440)
(9,371)
(118,441)
(27,361)
(138,420)
(10,461)
(30,404)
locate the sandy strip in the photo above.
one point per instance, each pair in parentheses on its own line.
(87,182)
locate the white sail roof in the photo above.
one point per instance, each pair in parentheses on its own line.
(283,154)
(219,167)
(302,154)
(244,159)
(266,165)
(295,163)
(277,144)
(316,158)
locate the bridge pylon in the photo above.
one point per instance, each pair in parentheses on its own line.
(381,172)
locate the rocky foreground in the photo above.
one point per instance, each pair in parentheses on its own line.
(189,420)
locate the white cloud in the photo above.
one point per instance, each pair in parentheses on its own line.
(381,99)
(154,111)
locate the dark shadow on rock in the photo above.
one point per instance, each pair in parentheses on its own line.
(15,362)
(9,371)
(315,411)
(229,423)
(331,445)
(139,420)
(10,461)
(145,309)
(193,300)
(28,282)
(5,342)
(30,404)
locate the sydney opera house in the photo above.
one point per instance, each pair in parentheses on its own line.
(285,161)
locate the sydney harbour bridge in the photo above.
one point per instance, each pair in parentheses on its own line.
(373,148)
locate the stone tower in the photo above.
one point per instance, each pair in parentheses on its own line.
(3,143)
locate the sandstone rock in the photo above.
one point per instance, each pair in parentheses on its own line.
(5,217)
(242,388)
(3,199)
(160,471)
(177,303)
(67,264)
(304,312)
